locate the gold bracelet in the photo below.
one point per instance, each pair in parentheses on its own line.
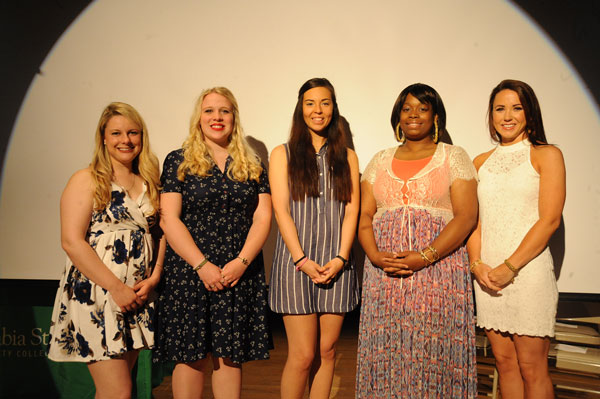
(474,264)
(199,266)
(510,266)
(425,258)
(244,260)
(434,252)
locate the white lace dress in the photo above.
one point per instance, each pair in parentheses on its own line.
(508,194)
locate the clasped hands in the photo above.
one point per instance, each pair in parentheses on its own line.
(398,264)
(493,279)
(216,279)
(322,274)
(132,298)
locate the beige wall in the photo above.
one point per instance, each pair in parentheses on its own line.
(159,55)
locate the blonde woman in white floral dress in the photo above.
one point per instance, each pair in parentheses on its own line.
(521,197)
(103,312)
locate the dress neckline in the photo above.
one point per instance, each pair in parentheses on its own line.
(521,145)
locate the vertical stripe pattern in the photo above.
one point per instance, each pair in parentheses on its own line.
(319,224)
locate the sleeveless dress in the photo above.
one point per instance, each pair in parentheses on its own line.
(417,334)
(508,207)
(192,321)
(87,325)
(319,224)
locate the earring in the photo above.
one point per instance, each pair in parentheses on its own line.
(104,142)
(400,135)
(435,133)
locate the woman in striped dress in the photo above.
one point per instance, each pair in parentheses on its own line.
(315,192)
(419,203)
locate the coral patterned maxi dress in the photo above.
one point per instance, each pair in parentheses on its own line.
(417,334)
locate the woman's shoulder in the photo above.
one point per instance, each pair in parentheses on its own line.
(481,158)
(83,177)
(278,155)
(175,156)
(385,153)
(81,183)
(546,150)
(546,155)
(278,149)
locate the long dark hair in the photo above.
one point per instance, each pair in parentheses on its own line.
(302,167)
(426,95)
(534,128)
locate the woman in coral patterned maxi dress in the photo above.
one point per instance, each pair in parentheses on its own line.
(417,329)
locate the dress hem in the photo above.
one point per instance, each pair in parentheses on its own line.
(514,331)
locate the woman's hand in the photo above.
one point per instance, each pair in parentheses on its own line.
(126,298)
(313,270)
(390,263)
(232,272)
(144,288)
(330,270)
(481,273)
(411,260)
(210,274)
(501,275)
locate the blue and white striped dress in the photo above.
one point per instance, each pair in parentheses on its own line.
(319,224)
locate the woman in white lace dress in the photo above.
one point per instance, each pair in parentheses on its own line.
(521,197)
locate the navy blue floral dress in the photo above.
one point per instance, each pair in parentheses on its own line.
(191,321)
(87,325)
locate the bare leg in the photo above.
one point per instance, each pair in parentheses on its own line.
(226,379)
(507,363)
(301,332)
(112,378)
(533,361)
(330,325)
(188,379)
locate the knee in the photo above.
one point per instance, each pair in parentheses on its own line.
(534,370)
(506,363)
(327,352)
(301,359)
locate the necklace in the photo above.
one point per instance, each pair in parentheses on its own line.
(130,187)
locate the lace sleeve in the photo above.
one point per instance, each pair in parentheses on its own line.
(461,166)
(371,170)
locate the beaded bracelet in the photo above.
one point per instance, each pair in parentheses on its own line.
(199,266)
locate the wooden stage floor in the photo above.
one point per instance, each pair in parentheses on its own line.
(261,378)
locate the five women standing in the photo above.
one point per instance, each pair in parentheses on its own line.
(314,180)
(521,197)
(419,203)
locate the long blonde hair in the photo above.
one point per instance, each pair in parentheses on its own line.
(197,158)
(145,164)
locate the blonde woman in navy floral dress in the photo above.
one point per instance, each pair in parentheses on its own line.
(419,203)
(103,311)
(216,215)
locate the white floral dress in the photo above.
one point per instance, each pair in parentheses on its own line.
(87,325)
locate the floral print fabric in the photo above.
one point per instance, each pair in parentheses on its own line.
(417,334)
(87,325)
(192,322)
